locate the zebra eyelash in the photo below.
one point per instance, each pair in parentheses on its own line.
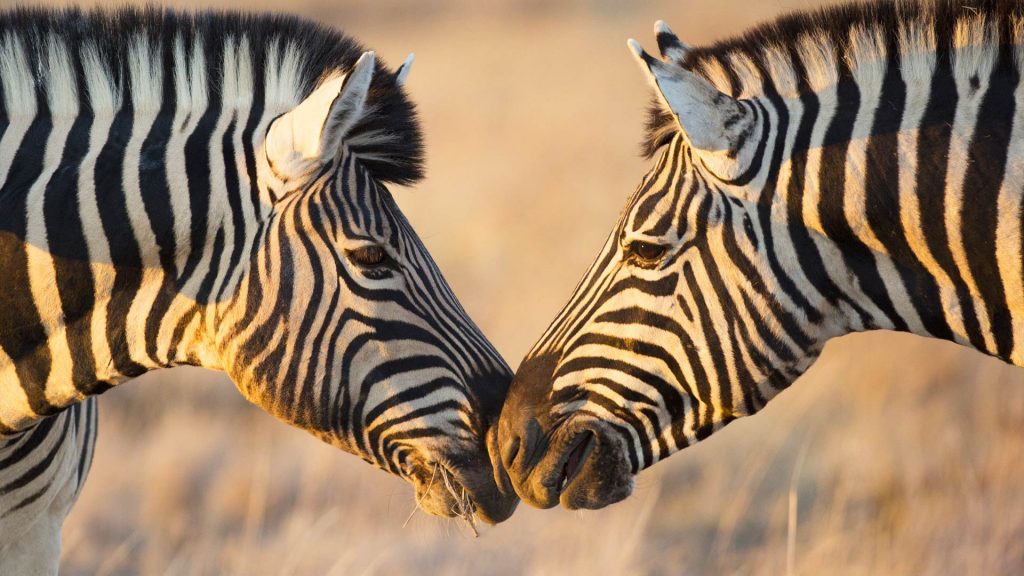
(645,254)
(369,256)
(374,260)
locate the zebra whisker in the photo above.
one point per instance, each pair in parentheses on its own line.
(464,507)
(420,500)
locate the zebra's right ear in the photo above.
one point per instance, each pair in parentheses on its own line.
(312,133)
(403,71)
(707,117)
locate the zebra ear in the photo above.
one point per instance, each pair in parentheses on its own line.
(671,47)
(705,114)
(403,71)
(312,132)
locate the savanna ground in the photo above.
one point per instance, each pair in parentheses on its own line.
(902,456)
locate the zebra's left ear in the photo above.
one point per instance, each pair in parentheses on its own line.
(403,71)
(311,133)
(708,117)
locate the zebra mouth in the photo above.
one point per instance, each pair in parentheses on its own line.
(592,472)
(460,491)
(574,460)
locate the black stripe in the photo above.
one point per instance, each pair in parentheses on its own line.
(21,331)
(156,194)
(811,263)
(375,430)
(28,444)
(383,372)
(704,381)
(89,429)
(632,419)
(858,258)
(125,253)
(882,197)
(37,470)
(768,193)
(69,250)
(933,144)
(649,200)
(197,164)
(671,394)
(310,302)
(236,214)
(986,169)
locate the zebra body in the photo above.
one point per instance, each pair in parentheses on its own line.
(42,470)
(852,169)
(209,189)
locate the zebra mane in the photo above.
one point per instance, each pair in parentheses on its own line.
(809,51)
(70,61)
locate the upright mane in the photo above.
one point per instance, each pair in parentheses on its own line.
(67,62)
(810,51)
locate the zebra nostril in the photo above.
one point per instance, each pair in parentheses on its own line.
(509,452)
(522,447)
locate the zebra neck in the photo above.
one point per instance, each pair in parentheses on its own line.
(915,196)
(117,234)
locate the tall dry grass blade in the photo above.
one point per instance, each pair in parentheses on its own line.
(118,559)
(256,507)
(631,547)
(794,498)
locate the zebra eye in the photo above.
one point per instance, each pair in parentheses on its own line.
(369,256)
(646,251)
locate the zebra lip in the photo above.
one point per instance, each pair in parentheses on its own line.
(492,507)
(575,458)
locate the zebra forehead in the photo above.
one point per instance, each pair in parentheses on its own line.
(828,43)
(237,60)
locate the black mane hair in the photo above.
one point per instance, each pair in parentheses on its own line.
(832,26)
(392,146)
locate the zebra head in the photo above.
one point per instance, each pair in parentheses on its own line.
(342,324)
(678,327)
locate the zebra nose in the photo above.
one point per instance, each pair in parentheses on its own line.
(519,430)
(524,446)
(509,451)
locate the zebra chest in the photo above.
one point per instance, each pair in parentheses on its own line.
(55,335)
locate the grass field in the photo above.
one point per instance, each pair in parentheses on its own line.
(893,455)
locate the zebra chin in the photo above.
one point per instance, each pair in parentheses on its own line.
(583,466)
(450,491)
(464,483)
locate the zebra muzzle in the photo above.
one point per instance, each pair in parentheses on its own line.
(575,458)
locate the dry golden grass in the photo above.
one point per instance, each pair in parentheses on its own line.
(914,451)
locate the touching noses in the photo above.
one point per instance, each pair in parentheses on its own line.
(523,418)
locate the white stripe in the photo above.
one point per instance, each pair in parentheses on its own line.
(42,274)
(104,99)
(970,61)
(19,99)
(1008,228)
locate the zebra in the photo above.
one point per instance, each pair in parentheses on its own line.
(852,168)
(210,189)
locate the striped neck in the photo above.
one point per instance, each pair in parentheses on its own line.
(134,186)
(904,200)
(124,283)
(160,161)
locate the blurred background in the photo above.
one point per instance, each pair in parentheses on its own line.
(893,455)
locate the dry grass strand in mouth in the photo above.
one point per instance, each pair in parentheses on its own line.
(463,503)
(418,500)
(463,508)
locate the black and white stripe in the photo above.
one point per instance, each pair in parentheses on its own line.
(851,169)
(209,189)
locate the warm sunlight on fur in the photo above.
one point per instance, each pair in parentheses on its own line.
(533,117)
